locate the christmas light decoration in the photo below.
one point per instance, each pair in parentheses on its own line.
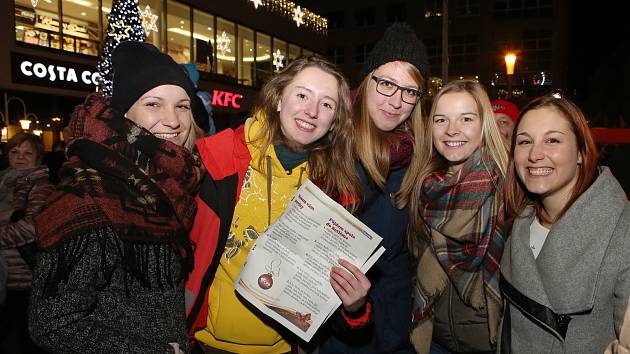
(223,43)
(256,3)
(34,3)
(298,16)
(277,60)
(288,9)
(124,24)
(148,20)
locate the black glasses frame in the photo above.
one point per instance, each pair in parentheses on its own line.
(398,88)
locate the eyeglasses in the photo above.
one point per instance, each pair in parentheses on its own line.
(388,88)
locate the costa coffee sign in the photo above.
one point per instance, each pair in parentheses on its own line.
(32,70)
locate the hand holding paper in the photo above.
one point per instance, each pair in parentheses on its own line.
(351,286)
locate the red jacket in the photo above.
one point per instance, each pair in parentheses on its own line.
(226,159)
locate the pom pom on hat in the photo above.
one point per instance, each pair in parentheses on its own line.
(399,43)
(138,68)
(506,107)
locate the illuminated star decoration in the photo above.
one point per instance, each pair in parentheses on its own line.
(34,2)
(119,30)
(277,60)
(256,3)
(223,43)
(298,16)
(148,20)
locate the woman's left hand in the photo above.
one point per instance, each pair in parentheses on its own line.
(351,286)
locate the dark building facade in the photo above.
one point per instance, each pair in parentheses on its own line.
(47,68)
(479,32)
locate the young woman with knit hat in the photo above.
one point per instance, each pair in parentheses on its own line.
(114,236)
(301,129)
(386,108)
(455,193)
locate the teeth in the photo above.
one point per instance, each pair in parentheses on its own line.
(166,135)
(454,143)
(541,171)
(304,124)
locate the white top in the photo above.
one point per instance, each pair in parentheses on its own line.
(537,236)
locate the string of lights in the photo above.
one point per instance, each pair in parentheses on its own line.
(124,24)
(289,9)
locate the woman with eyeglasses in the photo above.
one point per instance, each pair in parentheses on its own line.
(386,105)
(455,195)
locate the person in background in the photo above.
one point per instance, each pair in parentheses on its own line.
(54,159)
(24,189)
(301,129)
(506,114)
(386,108)
(565,271)
(458,218)
(114,238)
(202,105)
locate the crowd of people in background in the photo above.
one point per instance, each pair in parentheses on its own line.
(502,231)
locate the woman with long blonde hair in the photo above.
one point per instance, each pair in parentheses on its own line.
(454,191)
(387,106)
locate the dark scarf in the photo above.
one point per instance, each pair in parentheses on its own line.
(401,149)
(120,176)
(464,217)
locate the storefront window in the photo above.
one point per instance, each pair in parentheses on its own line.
(178,31)
(294,52)
(106,8)
(279,55)
(226,48)
(155,8)
(245,56)
(38,26)
(203,40)
(263,58)
(80,26)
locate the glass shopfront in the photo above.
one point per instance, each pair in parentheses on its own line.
(215,44)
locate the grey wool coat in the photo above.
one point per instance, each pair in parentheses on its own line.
(583,271)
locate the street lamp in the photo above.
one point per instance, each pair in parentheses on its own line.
(25,124)
(7,100)
(510,60)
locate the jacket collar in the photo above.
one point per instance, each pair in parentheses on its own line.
(566,273)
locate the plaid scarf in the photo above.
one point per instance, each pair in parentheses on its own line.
(464,217)
(120,176)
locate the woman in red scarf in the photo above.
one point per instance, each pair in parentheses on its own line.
(457,214)
(114,237)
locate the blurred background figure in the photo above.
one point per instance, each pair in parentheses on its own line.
(202,104)
(24,189)
(54,160)
(506,114)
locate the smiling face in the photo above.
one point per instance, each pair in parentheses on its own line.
(387,113)
(165,112)
(546,155)
(23,156)
(307,107)
(456,128)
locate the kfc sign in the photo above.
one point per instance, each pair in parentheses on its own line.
(226,99)
(40,71)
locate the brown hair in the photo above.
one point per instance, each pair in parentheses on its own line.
(32,139)
(372,144)
(330,158)
(426,160)
(517,196)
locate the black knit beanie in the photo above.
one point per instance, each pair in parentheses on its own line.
(140,67)
(399,43)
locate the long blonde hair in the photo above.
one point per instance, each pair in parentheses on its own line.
(330,160)
(372,146)
(426,160)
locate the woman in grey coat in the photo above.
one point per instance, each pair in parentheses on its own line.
(566,275)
